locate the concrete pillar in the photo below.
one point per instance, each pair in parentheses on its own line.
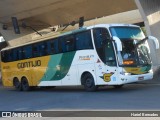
(150,11)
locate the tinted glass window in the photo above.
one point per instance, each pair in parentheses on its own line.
(4,56)
(127,32)
(36,49)
(52,46)
(104,46)
(10,55)
(68,43)
(27,52)
(84,40)
(15,54)
(20,53)
(43,49)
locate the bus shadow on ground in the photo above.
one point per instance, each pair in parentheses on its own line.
(80,89)
(126,88)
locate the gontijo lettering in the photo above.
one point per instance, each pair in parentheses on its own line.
(29,64)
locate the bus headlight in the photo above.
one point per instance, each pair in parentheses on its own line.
(124,73)
(151,71)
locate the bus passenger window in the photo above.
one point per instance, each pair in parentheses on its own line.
(84,40)
(43,49)
(7,55)
(4,56)
(15,54)
(67,43)
(20,53)
(27,52)
(62,45)
(35,50)
(10,55)
(52,46)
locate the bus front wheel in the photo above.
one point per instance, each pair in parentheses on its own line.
(25,84)
(89,83)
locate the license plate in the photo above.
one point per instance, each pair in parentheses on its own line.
(141,78)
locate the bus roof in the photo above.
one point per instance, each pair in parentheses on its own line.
(70,32)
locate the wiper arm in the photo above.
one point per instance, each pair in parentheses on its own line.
(142,41)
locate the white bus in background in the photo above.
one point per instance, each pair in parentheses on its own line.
(104,54)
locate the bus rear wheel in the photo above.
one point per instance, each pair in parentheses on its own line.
(25,84)
(89,83)
(17,84)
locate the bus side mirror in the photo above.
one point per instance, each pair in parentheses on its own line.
(155,40)
(118,43)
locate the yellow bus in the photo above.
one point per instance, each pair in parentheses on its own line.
(99,55)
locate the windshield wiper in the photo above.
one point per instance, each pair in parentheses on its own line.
(141,41)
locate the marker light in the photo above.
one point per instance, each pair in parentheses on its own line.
(128,62)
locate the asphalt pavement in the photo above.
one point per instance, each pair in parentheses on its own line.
(137,96)
(142,96)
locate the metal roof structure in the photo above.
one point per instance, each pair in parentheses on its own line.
(55,12)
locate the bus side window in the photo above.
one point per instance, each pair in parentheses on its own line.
(99,43)
(27,52)
(7,56)
(36,50)
(15,54)
(104,46)
(43,49)
(84,40)
(68,43)
(3,56)
(20,53)
(52,46)
(10,55)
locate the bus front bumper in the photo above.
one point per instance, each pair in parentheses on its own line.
(124,79)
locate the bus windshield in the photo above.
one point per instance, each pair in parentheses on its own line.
(127,32)
(134,52)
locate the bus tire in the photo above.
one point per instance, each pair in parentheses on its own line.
(17,84)
(118,86)
(89,83)
(25,84)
